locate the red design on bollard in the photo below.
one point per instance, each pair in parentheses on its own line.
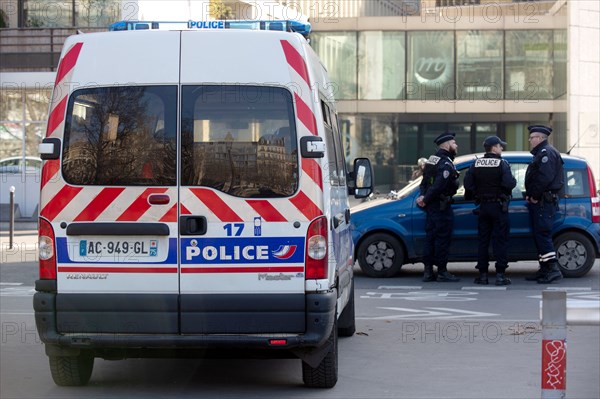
(554,364)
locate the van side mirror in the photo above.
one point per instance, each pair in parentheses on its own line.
(360,180)
(49,148)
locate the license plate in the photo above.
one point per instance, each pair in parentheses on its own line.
(118,249)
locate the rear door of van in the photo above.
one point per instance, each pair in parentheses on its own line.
(247,199)
(112,197)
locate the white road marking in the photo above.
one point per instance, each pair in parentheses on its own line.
(433,313)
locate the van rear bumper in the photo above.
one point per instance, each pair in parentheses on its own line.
(319,317)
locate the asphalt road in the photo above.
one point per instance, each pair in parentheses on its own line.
(413,340)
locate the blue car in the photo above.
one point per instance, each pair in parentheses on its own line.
(390,232)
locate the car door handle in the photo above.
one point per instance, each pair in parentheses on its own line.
(347,215)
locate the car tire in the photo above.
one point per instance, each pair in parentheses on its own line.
(380,255)
(325,375)
(347,321)
(575,254)
(71,371)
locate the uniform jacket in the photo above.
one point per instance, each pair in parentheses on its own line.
(489,177)
(440,177)
(545,172)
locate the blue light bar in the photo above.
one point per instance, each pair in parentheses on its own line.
(303,28)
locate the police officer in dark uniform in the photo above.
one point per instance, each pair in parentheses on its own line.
(544,185)
(490,182)
(440,182)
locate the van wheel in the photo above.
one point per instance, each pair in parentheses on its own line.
(380,255)
(325,375)
(575,254)
(347,322)
(70,371)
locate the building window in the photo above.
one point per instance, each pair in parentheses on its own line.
(431,66)
(381,65)
(479,57)
(338,52)
(70,13)
(23,115)
(529,65)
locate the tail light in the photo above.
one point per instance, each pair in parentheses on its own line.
(47,251)
(594,197)
(316,249)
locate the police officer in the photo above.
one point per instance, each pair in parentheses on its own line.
(544,181)
(490,181)
(440,182)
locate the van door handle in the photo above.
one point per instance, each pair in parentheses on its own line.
(347,215)
(337,220)
(192,225)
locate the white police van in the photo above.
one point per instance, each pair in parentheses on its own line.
(194,197)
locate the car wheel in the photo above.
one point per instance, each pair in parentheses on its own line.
(575,254)
(380,255)
(347,320)
(325,375)
(69,371)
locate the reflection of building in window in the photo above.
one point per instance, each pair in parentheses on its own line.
(263,168)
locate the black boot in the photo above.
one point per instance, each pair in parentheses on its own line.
(445,277)
(428,274)
(482,279)
(553,275)
(542,271)
(501,279)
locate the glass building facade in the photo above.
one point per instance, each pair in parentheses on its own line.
(421,72)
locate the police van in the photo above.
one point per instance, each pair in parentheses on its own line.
(194,201)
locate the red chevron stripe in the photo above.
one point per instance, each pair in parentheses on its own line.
(60,200)
(266,210)
(99,204)
(56,116)
(295,60)
(184,210)
(312,168)
(170,216)
(306,206)
(216,205)
(139,206)
(68,62)
(49,170)
(305,115)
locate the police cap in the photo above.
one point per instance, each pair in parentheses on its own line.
(540,129)
(492,141)
(442,138)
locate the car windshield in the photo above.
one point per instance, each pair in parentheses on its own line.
(409,188)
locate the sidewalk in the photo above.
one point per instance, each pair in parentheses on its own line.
(25,243)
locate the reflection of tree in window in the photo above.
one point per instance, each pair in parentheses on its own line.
(117,136)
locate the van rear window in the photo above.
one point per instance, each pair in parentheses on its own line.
(240,140)
(121,136)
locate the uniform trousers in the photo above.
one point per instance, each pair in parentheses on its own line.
(493,225)
(542,219)
(438,229)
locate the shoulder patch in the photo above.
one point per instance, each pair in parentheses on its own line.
(433,160)
(487,163)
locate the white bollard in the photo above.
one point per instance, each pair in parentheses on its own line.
(554,344)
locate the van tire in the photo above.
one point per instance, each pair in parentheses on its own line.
(575,254)
(347,322)
(325,375)
(380,255)
(71,371)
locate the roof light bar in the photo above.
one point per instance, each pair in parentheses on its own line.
(303,28)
